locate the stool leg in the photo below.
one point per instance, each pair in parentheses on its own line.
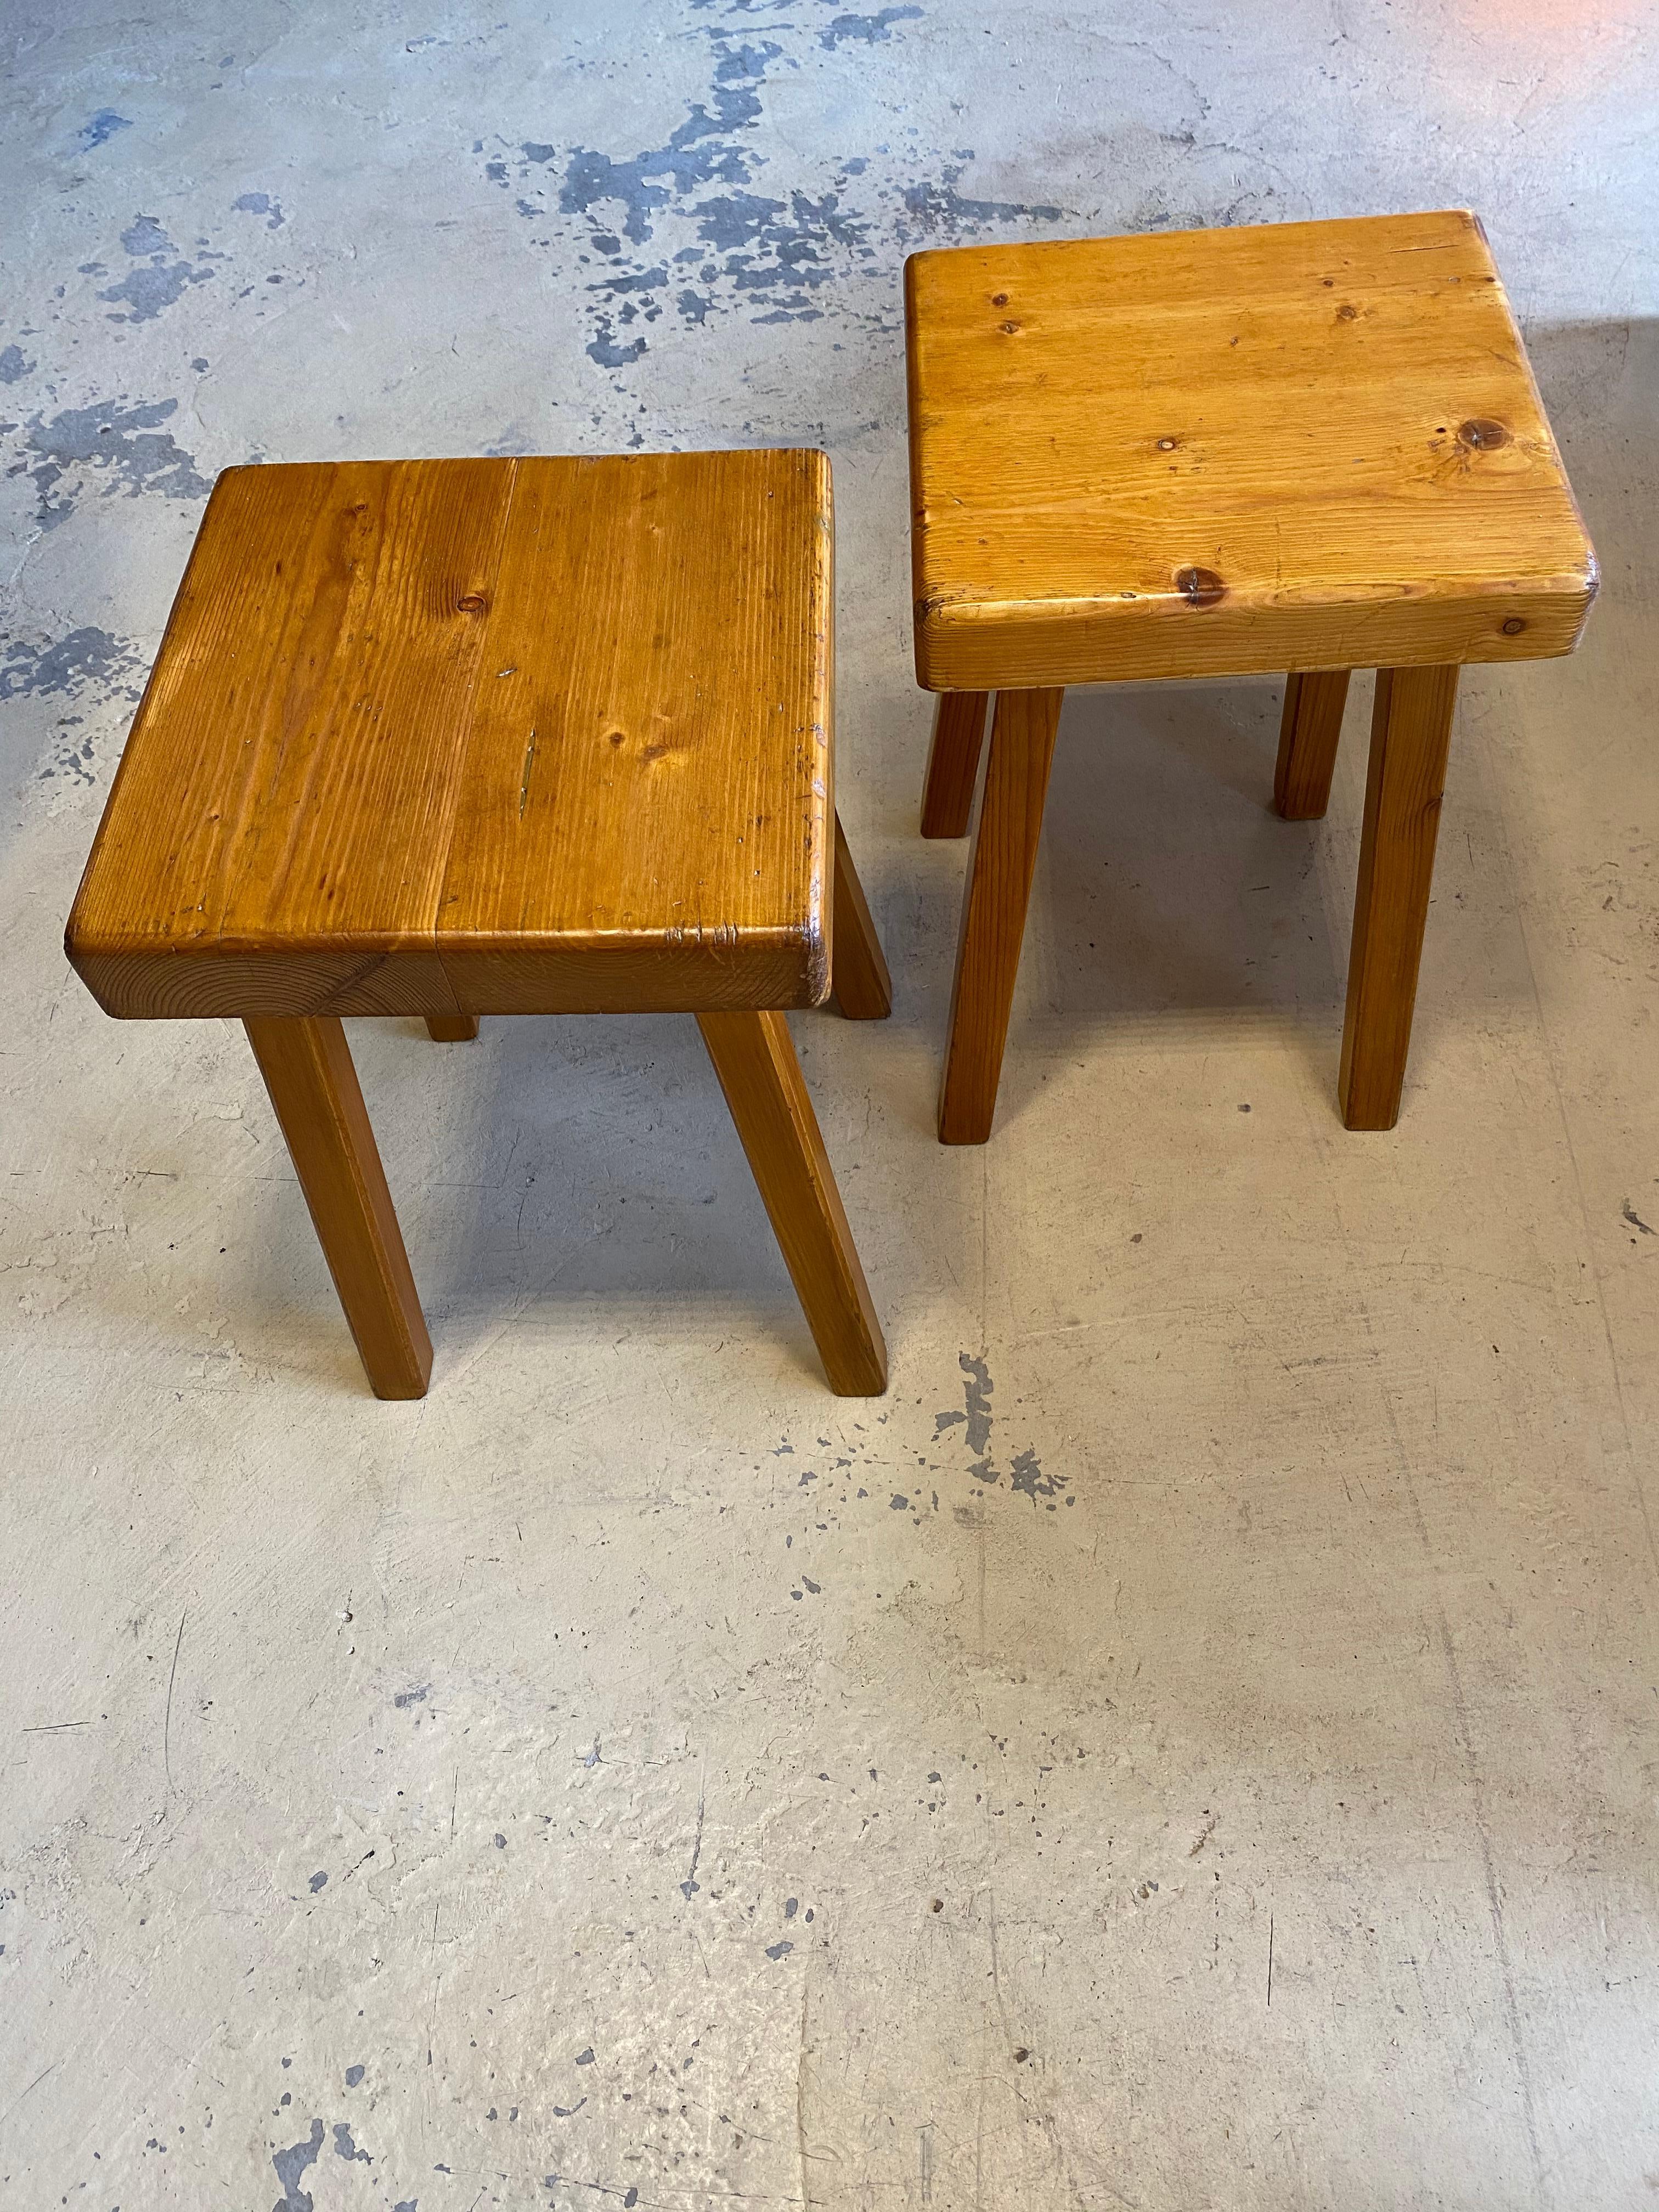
(754,1060)
(306,1065)
(1307,735)
(1411,729)
(994,911)
(451,1028)
(947,797)
(863,988)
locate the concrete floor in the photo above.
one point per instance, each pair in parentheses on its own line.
(1194,1742)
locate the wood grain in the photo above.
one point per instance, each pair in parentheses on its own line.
(994,910)
(862,988)
(1309,731)
(754,1060)
(947,795)
(307,1069)
(1298,446)
(480,737)
(1410,732)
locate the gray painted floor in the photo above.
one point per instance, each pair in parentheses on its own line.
(1219,1770)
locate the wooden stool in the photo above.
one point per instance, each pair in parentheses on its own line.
(498,736)
(1315,447)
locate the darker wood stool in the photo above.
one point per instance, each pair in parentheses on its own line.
(466,738)
(1313,445)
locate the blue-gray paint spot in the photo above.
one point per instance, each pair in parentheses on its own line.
(1028,1478)
(128,442)
(417,1696)
(145,236)
(152,286)
(898,1503)
(791,1907)
(936,207)
(772,259)
(354,2075)
(779,1950)
(319,1881)
(102,127)
(866,29)
(978,1415)
(569,2111)
(290,2164)
(86,656)
(407,2204)
(345,2147)
(13,367)
(260,204)
(586,2057)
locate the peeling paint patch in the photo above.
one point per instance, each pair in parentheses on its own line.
(152,286)
(261,203)
(345,2147)
(290,2164)
(868,29)
(86,656)
(128,442)
(772,259)
(143,236)
(99,129)
(941,207)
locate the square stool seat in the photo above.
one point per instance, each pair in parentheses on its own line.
(462,738)
(482,737)
(1310,446)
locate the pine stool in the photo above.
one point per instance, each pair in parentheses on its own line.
(1312,446)
(498,736)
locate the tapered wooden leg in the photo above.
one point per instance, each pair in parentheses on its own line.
(1308,734)
(994,911)
(306,1065)
(947,797)
(863,988)
(451,1028)
(754,1060)
(1411,729)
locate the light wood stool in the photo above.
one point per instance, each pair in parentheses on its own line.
(498,736)
(1312,446)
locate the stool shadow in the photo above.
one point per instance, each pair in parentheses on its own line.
(1167,884)
(575,1163)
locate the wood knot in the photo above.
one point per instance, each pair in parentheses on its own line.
(1199,587)
(1348,311)
(1514,626)
(615,738)
(1009,327)
(1480,436)
(999,299)
(1168,445)
(471,603)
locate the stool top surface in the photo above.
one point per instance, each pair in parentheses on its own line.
(1312,445)
(492,736)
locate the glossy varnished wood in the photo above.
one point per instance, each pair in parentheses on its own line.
(947,797)
(862,988)
(306,1066)
(994,911)
(479,737)
(1300,446)
(1309,731)
(754,1060)
(1411,731)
